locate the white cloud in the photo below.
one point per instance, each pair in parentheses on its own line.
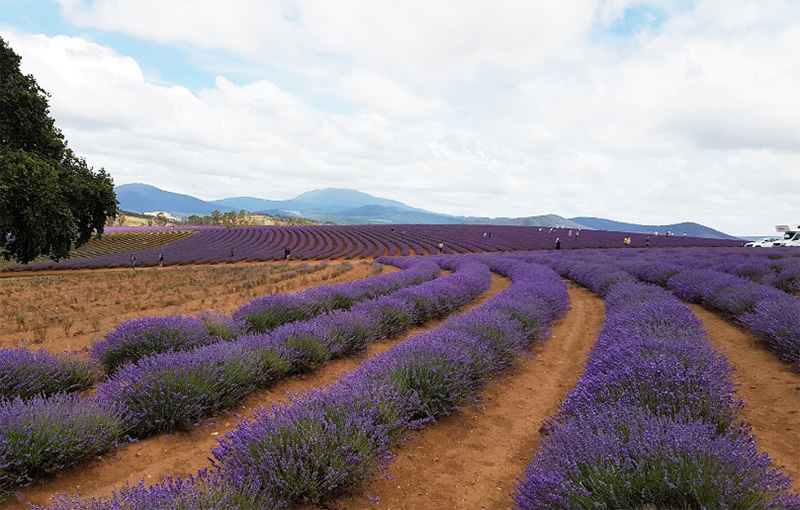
(513,109)
(382,95)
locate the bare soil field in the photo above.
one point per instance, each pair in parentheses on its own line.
(69,310)
(468,460)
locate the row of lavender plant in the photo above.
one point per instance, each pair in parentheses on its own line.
(138,338)
(331,439)
(25,374)
(774,268)
(770,314)
(174,390)
(653,422)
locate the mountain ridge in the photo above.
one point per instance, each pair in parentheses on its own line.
(346,206)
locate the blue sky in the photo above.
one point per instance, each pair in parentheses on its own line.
(650,112)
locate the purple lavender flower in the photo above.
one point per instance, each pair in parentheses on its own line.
(39,437)
(138,338)
(25,374)
(776,320)
(268,312)
(176,390)
(206,491)
(225,328)
(629,458)
(321,444)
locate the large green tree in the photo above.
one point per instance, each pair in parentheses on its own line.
(50,200)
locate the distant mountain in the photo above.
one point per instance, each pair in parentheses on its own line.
(317,204)
(141,198)
(691,229)
(545,220)
(247,203)
(333,199)
(345,206)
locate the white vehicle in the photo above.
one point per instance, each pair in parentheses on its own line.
(792,241)
(791,233)
(765,242)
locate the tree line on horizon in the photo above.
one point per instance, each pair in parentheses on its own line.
(242,218)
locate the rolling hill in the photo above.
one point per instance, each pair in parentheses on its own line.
(350,207)
(691,229)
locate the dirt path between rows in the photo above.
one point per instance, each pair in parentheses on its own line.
(471,459)
(769,387)
(185,453)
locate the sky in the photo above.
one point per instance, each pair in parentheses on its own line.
(652,112)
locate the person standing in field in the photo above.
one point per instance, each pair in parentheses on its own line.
(287,253)
(133,261)
(558,243)
(160,260)
(441,247)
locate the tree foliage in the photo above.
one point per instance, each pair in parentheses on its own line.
(50,199)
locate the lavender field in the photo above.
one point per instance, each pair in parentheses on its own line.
(653,421)
(208,245)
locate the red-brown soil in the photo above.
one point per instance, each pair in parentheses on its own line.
(468,460)
(70,310)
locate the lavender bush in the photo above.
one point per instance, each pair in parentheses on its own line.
(761,308)
(626,457)
(323,443)
(775,319)
(24,374)
(393,315)
(176,390)
(434,366)
(222,327)
(267,313)
(713,278)
(138,338)
(202,492)
(42,436)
